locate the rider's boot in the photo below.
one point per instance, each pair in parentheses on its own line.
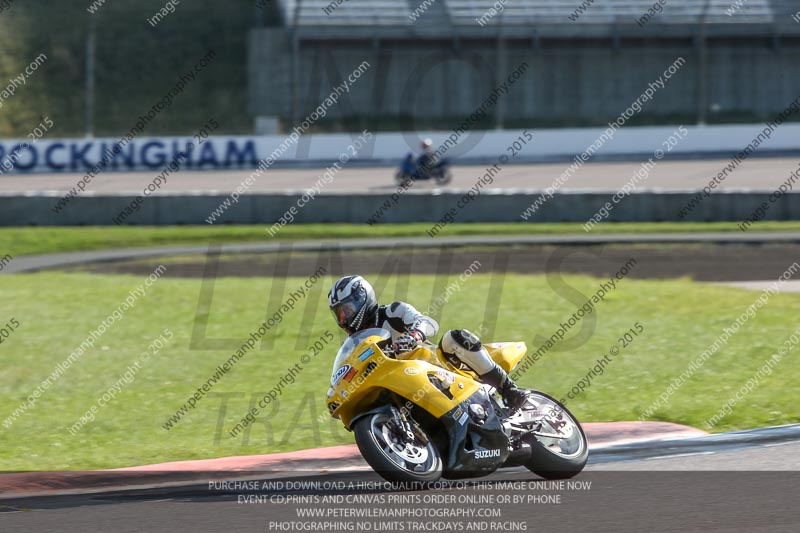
(500,380)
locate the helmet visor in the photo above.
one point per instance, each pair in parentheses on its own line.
(346,310)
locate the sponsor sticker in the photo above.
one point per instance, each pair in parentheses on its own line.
(351,374)
(337,377)
(369,368)
(367,354)
(444,375)
(411,371)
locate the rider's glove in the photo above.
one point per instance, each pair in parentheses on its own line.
(408,341)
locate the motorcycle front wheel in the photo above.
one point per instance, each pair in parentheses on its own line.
(389,451)
(400,177)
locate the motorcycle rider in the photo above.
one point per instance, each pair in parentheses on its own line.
(355,307)
(425,160)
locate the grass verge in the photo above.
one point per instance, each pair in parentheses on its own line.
(56,312)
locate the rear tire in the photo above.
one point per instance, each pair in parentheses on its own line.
(445,177)
(393,458)
(550,458)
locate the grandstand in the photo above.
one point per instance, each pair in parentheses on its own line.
(432,60)
(522,17)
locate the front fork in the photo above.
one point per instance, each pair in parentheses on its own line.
(406,426)
(403,424)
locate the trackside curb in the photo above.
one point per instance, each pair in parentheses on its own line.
(601,435)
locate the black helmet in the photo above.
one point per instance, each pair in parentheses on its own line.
(353,303)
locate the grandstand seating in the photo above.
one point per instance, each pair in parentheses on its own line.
(463,14)
(583,69)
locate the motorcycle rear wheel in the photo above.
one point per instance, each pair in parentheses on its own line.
(553,458)
(391,455)
(444,178)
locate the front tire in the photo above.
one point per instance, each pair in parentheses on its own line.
(389,453)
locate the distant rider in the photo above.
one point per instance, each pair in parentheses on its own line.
(425,161)
(355,307)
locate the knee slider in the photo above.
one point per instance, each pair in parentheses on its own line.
(458,341)
(462,347)
(466,339)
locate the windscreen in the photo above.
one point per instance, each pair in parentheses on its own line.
(350,344)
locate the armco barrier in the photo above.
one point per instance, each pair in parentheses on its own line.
(501,206)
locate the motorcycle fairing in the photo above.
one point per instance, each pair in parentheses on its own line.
(477,445)
(408,378)
(506,354)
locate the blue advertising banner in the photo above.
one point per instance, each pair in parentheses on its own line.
(82,155)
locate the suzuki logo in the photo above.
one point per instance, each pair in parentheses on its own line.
(485,454)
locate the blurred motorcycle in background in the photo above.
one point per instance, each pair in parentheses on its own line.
(423,168)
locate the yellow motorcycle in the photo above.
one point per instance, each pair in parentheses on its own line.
(418,416)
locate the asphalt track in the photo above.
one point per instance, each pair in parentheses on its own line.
(747,484)
(750,486)
(759,173)
(774,252)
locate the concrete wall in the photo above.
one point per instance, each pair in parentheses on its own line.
(484,147)
(413,207)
